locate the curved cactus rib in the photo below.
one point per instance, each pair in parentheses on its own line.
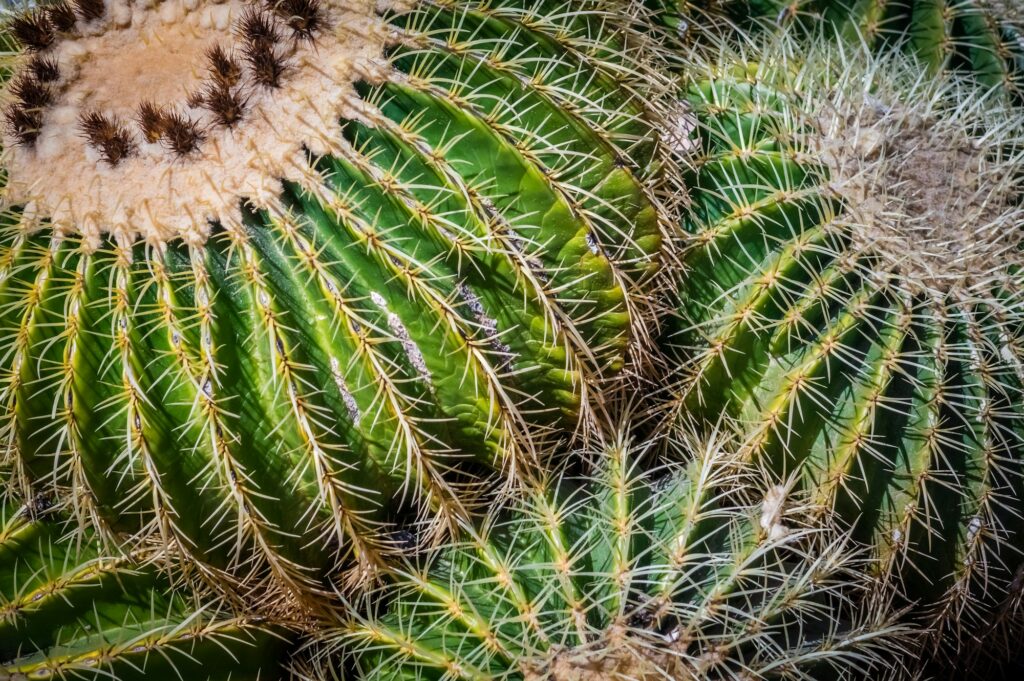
(434,268)
(623,576)
(69,611)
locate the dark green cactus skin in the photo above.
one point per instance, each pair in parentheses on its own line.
(450,295)
(901,411)
(67,611)
(582,570)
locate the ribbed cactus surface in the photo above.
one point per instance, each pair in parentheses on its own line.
(984,38)
(433,286)
(68,611)
(853,297)
(627,575)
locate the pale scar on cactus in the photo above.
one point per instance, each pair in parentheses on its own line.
(623,576)
(69,611)
(854,296)
(277,276)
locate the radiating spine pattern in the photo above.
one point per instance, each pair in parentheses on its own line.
(628,575)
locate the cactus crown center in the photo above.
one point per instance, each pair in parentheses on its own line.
(938,206)
(152,121)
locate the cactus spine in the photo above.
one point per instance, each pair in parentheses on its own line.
(267,338)
(983,38)
(69,611)
(854,297)
(621,576)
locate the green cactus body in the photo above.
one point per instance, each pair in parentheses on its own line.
(354,322)
(982,37)
(67,611)
(853,297)
(626,576)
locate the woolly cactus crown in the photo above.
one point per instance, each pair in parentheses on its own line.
(150,122)
(929,174)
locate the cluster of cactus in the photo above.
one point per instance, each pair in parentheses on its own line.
(327,326)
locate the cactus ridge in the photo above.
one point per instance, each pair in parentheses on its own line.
(69,611)
(438,288)
(872,352)
(980,38)
(626,575)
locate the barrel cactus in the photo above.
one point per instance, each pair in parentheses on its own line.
(854,296)
(983,38)
(279,277)
(627,575)
(68,611)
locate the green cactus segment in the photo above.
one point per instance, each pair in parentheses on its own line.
(435,299)
(983,38)
(624,576)
(894,396)
(68,611)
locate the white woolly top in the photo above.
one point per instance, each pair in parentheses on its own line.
(144,52)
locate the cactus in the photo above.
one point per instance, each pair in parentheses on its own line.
(984,38)
(311,271)
(68,611)
(853,297)
(626,575)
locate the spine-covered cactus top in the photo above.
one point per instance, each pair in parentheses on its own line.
(68,611)
(276,275)
(854,295)
(627,576)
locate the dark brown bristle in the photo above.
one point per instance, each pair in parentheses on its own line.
(152,121)
(226,106)
(224,68)
(62,17)
(182,134)
(32,94)
(108,136)
(33,30)
(195,99)
(23,124)
(266,64)
(304,17)
(44,69)
(90,10)
(257,26)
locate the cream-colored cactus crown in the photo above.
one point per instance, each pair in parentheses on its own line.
(154,121)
